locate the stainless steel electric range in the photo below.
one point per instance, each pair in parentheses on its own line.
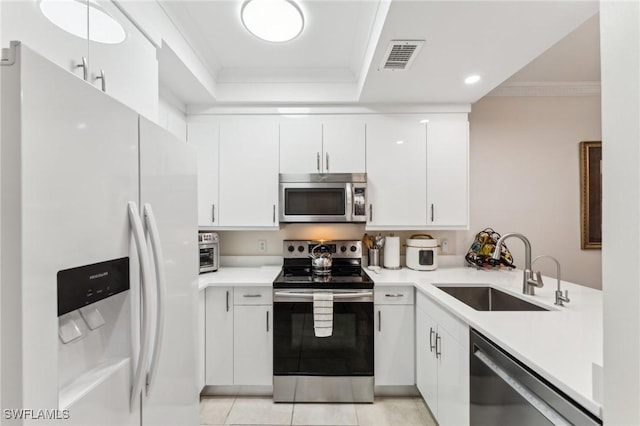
(338,368)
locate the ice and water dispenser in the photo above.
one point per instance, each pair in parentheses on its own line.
(81,287)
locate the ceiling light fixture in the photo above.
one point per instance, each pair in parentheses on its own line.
(472,79)
(71,16)
(272,20)
(424,121)
(399,142)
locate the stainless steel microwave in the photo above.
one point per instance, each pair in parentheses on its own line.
(328,197)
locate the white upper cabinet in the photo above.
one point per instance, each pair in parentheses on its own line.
(128,60)
(206,137)
(300,145)
(249,172)
(24,21)
(448,174)
(396,171)
(127,70)
(324,144)
(343,145)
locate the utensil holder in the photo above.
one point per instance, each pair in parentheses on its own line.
(374,257)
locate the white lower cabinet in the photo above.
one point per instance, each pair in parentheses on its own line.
(442,362)
(219,336)
(394,336)
(202,338)
(253,345)
(426,362)
(239,336)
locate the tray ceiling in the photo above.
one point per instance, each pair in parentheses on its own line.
(337,57)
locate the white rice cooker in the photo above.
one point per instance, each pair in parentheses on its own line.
(422,252)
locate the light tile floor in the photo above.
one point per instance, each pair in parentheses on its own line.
(244,410)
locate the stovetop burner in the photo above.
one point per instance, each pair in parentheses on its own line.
(346,270)
(361,280)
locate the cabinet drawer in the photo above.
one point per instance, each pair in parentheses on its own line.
(393,295)
(253,296)
(458,329)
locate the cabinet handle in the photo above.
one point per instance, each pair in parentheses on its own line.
(431,347)
(103,80)
(85,68)
(432,215)
(370,212)
(438,346)
(394,295)
(379,321)
(267,321)
(227,300)
(318,161)
(274,213)
(252,295)
(327,165)
(213,213)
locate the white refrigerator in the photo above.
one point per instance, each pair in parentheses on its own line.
(98,282)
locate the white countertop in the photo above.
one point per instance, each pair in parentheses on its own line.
(240,276)
(560,344)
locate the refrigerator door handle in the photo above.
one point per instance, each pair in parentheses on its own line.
(143,256)
(156,247)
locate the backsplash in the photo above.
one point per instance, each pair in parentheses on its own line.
(247,243)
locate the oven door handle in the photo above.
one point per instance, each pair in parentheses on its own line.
(335,295)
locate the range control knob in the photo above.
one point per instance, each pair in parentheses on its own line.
(343,249)
(290,248)
(353,248)
(300,249)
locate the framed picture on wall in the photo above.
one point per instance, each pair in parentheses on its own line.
(591,195)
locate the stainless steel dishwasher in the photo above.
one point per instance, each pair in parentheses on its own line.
(505,392)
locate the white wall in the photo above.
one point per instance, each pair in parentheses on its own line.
(245,243)
(171,115)
(525,177)
(620,49)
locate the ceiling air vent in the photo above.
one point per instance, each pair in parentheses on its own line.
(400,54)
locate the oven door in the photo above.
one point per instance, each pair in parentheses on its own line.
(305,365)
(208,258)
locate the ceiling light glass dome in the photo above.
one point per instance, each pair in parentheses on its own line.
(272,20)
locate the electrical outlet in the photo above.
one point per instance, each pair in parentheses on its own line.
(262,245)
(444,245)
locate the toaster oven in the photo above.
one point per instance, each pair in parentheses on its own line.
(209,244)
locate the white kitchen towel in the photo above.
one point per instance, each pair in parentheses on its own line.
(322,314)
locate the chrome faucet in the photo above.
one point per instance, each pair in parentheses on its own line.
(529,280)
(560,299)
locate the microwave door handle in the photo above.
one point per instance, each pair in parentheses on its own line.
(541,406)
(349,190)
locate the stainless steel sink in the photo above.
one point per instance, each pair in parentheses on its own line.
(485,298)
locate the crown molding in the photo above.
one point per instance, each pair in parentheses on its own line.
(535,89)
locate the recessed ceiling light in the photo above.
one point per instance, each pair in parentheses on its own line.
(399,142)
(71,16)
(272,20)
(472,79)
